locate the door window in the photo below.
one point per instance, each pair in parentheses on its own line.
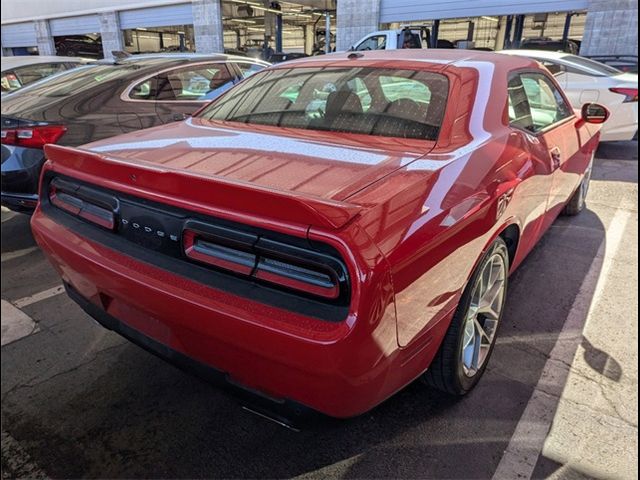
(546,105)
(10,81)
(25,75)
(377,42)
(248,69)
(202,82)
(555,68)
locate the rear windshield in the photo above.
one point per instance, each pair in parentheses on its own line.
(594,68)
(78,79)
(372,101)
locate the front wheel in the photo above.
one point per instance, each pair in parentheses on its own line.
(468,343)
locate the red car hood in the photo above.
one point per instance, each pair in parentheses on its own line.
(331,166)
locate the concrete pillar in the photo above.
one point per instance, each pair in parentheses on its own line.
(327,33)
(500,36)
(309,38)
(207,26)
(611,28)
(110,33)
(355,19)
(44,40)
(269,22)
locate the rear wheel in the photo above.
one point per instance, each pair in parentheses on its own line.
(578,200)
(468,343)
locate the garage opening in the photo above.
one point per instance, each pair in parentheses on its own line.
(177,38)
(280,31)
(88,46)
(547,31)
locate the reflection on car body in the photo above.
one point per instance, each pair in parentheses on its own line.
(104,99)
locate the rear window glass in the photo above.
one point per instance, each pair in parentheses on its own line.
(586,65)
(373,101)
(78,79)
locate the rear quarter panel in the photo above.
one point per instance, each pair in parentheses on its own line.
(439,214)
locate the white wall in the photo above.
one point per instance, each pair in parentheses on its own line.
(411,10)
(13,10)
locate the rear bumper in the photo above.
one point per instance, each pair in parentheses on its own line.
(21,169)
(622,125)
(284,411)
(338,368)
(621,134)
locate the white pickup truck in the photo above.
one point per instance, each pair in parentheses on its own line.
(394,39)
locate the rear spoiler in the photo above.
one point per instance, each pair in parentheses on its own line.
(196,191)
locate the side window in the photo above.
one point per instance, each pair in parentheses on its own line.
(10,81)
(202,82)
(377,42)
(248,69)
(519,110)
(411,40)
(545,101)
(554,68)
(33,73)
(143,90)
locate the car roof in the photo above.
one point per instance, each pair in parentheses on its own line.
(184,57)
(436,56)
(26,60)
(545,54)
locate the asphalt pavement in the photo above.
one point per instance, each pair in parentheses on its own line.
(558,400)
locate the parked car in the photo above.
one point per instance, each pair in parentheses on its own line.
(624,63)
(324,259)
(280,57)
(20,71)
(585,80)
(548,44)
(406,37)
(79,45)
(102,100)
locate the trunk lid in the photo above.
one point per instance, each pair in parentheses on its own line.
(326,166)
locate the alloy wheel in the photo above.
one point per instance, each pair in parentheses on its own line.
(483,315)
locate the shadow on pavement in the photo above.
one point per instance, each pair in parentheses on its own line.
(16,232)
(124,413)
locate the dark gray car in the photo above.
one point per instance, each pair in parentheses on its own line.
(104,99)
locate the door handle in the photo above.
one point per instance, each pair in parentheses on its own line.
(556,156)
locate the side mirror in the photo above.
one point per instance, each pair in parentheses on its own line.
(594,113)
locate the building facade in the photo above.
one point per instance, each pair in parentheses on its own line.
(600,27)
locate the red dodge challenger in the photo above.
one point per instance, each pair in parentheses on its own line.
(330,229)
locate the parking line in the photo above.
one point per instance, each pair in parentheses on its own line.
(17,253)
(526,444)
(15,324)
(38,297)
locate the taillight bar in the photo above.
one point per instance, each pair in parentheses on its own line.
(268,261)
(218,255)
(317,273)
(631,94)
(298,278)
(95,207)
(35,136)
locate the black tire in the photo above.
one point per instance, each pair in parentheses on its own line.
(578,201)
(446,370)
